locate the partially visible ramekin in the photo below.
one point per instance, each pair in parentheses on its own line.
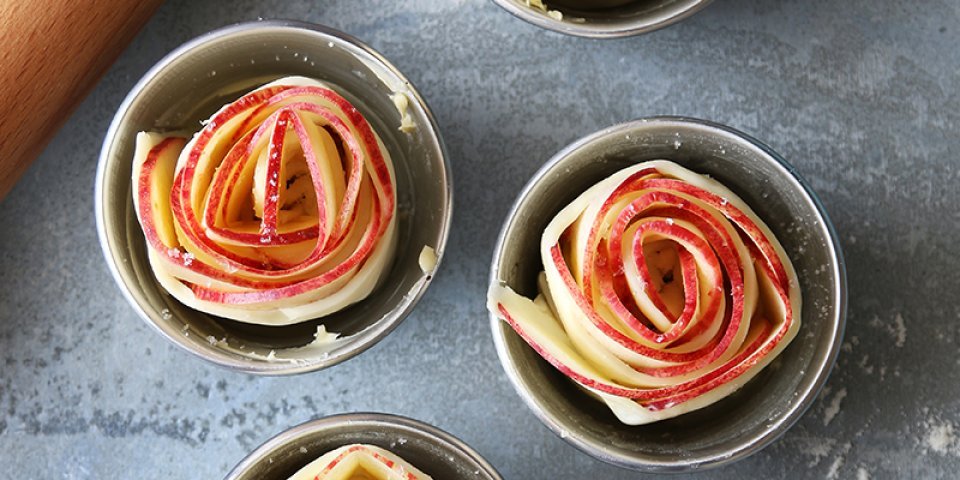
(632,18)
(429,449)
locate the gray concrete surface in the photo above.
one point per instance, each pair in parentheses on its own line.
(862,96)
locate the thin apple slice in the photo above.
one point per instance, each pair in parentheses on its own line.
(155,160)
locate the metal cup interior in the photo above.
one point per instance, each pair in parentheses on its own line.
(605,18)
(428,448)
(765,407)
(193,82)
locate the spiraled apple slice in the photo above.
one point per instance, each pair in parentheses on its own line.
(662,293)
(282,208)
(359,462)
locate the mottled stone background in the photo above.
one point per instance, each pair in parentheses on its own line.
(860,95)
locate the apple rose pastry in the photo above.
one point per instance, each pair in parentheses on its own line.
(359,462)
(662,293)
(280,209)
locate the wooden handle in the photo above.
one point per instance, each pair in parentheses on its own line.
(54,51)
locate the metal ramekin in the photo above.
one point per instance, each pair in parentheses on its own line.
(191,83)
(635,18)
(765,407)
(431,450)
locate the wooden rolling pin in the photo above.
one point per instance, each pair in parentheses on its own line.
(54,51)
